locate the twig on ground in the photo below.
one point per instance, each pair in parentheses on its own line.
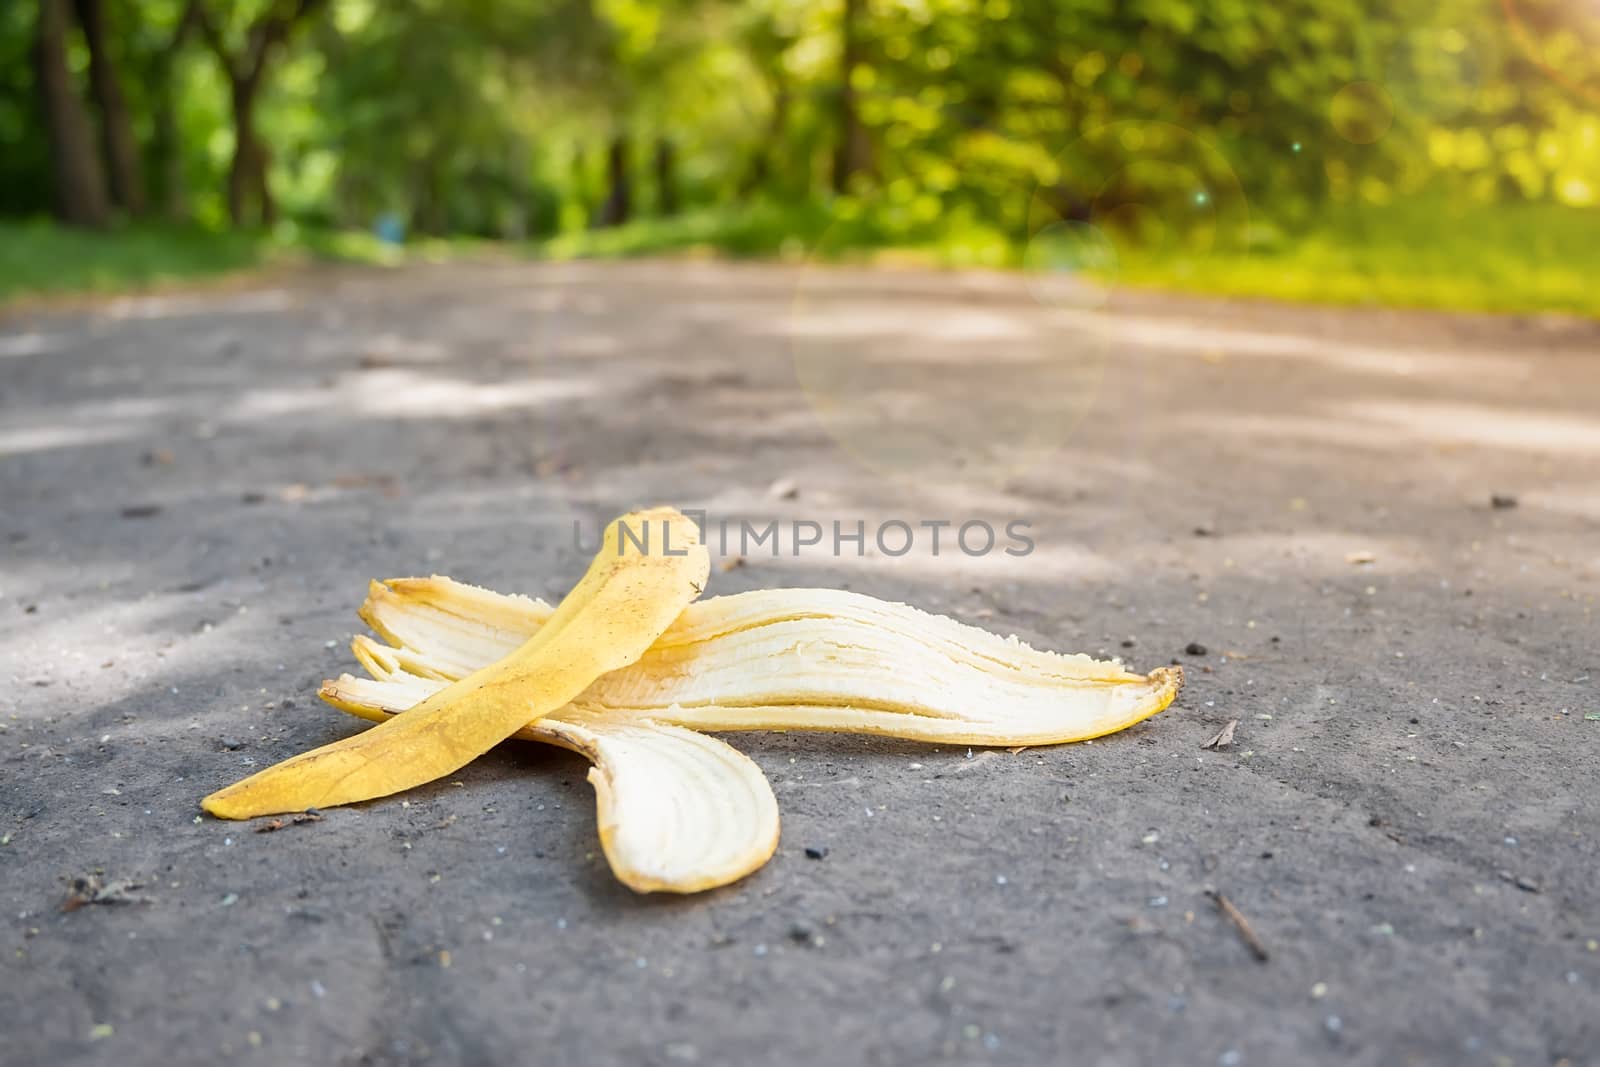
(1527,885)
(1235,916)
(294,820)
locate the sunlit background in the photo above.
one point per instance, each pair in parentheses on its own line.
(1442,154)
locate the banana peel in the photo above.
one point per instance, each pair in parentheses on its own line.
(628,670)
(680,811)
(777,659)
(628,597)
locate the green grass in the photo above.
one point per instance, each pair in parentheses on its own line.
(767,230)
(1522,258)
(39,258)
(1508,258)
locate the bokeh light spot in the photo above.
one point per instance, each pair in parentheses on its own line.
(1361,112)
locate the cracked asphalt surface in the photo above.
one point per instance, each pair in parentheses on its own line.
(1294,503)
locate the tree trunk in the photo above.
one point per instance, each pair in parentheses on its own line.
(261,161)
(239,165)
(245,71)
(428,207)
(248,195)
(116,127)
(850,155)
(79,180)
(619,202)
(666,177)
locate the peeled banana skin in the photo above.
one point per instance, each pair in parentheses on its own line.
(629,596)
(780,659)
(680,811)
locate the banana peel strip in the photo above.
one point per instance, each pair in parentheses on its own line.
(780,659)
(678,811)
(628,597)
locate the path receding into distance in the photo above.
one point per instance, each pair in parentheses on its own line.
(197,488)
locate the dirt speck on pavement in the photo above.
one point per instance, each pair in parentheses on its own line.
(1408,817)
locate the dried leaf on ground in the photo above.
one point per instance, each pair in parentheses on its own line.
(91,889)
(1223,737)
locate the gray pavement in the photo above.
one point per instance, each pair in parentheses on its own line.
(197,487)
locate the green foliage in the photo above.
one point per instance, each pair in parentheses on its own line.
(1423,254)
(25,159)
(38,257)
(1413,253)
(1169,131)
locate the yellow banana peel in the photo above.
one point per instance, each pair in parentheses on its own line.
(680,811)
(628,670)
(776,659)
(651,565)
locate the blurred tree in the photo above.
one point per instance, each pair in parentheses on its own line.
(160,78)
(79,181)
(449,112)
(851,154)
(767,36)
(26,175)
(126,179)
(245,67)
(666,177)
(508,117)
(619,201)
